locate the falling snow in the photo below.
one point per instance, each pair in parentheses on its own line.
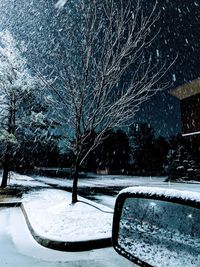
(39,27)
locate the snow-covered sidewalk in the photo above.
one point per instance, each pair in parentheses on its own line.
(17,179)
(54,221)
(52,216)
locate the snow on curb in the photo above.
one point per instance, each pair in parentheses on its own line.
(66,245)
(55,223)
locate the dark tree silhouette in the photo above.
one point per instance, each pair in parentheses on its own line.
(180,162)
(148,152)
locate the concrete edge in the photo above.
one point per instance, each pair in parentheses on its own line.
(59,245)
(66,245)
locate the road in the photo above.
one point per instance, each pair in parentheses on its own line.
(19,249)
(104,189)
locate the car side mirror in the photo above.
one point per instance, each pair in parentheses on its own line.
(157,227)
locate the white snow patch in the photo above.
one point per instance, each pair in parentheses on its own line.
(193,133)
(169,192)
(106,180)
(60,4)
(19,249)
(174,77)
(52,215)
(24,180)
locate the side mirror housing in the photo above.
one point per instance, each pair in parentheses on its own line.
(157,227)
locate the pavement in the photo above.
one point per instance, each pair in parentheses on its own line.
(19,249)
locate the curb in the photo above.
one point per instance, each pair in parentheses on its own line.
(76,246)
(66,245)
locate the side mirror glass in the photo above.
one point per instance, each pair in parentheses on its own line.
(157,230)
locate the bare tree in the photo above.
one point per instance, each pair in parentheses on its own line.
(106,74)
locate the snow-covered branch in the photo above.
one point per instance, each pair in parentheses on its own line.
(106,72)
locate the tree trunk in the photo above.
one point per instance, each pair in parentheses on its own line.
(5,175)
(75,183)
(11,130)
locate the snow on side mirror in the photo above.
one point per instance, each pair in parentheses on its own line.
(158,227)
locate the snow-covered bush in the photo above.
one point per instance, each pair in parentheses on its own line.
(21,110)
(181,166)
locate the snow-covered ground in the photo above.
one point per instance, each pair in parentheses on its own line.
(53,216)
(119,181)
(19,249)
(24,180)
(105,180)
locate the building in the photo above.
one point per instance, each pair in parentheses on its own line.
(189,96)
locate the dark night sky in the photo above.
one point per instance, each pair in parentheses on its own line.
(179,35)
